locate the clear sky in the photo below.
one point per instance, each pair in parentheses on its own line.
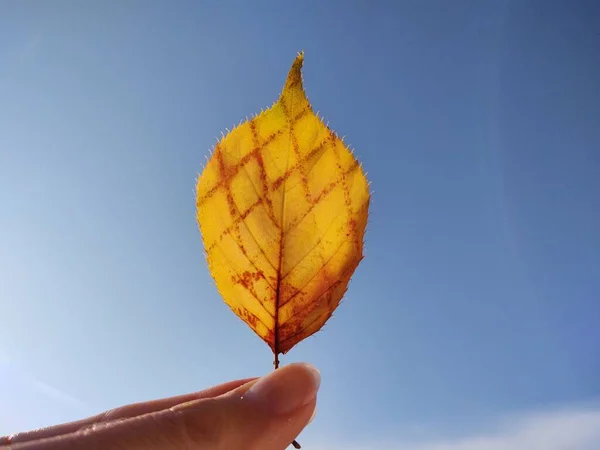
(474,320)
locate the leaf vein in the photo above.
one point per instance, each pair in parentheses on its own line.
(299,290)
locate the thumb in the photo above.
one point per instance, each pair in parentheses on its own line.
(266,414)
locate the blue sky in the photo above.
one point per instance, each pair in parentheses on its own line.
(473,321)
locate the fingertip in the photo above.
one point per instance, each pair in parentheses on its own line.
(285,390)
(266,414)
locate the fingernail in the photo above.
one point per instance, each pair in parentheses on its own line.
(313,416)
(286,389)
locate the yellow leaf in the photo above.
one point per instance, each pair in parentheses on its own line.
(282,206)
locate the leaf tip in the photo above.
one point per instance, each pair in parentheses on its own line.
(294,77)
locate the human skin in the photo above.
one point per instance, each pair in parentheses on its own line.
(257,413)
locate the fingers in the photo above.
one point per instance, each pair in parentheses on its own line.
(132,410)
(266,414)
(137,409)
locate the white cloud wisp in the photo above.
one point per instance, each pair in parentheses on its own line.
(573,429)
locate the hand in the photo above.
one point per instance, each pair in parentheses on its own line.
(253,414)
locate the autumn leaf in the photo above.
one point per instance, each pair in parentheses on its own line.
(282,206)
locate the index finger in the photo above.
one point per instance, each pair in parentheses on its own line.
(132,410)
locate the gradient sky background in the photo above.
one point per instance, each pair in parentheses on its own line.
(476,311)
